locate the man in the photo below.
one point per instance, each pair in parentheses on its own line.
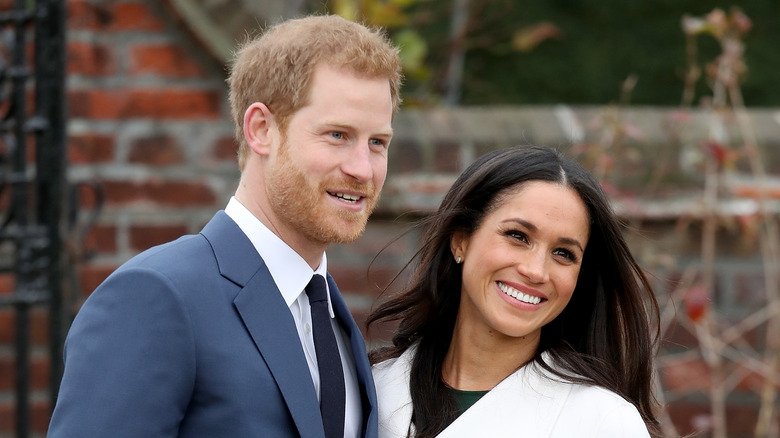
(215,335)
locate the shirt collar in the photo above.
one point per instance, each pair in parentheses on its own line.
(289,270)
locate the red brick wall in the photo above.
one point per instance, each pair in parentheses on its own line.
(148,122)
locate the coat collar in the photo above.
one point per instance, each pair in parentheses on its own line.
(495,414)
(268,320)
(261,307)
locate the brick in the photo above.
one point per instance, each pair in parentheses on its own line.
(90,59)
(447,157)
(101,239)
(7,417)
(92,275)
(355,279)
(7,373)
(91,148)
(694,419)
(688,418)
(678,338)
(226,149)
(38,372)
(390,237)
(6,325)
(156,151)
(7,283)
(83,15)
(179,194)
(188,104)
(405,156)
(110,16)
(89,194)
(39,327)
(756,192)
(158,191)
(147,103)
(40,414)
(5,196)
(163,60)
(143,237)
(686,376)
(135,16)
(753,382)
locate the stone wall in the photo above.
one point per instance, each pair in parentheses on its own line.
(149,126)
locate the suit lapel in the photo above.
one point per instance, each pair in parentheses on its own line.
(362,367)
(268,320)
(272,328)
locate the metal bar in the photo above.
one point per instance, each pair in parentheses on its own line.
(22,369)
(19,211)
(34,224)
(50,106)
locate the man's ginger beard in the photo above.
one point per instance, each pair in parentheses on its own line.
(299,201)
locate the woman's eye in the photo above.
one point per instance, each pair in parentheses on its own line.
(518,235)
(565,253)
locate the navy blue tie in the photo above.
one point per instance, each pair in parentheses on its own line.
(332,394)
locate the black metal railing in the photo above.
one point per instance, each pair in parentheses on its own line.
(33,181)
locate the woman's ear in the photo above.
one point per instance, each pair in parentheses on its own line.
(458,244)
(259,128)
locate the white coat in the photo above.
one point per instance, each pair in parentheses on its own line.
(530,403)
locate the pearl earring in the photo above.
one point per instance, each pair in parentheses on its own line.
(458,259)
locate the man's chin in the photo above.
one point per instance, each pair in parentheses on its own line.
(348,231)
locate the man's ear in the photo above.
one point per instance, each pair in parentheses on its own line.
(259,128)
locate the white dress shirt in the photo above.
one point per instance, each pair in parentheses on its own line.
(291,274)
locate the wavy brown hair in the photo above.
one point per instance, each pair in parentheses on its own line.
(603,337)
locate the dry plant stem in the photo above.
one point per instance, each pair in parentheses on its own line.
(669,311)
(771,253)
(667,426)
(736,355)
(693,72)
(705,330)
(713,353)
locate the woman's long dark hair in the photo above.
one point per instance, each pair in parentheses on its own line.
(603,337)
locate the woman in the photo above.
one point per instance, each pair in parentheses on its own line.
(526,314)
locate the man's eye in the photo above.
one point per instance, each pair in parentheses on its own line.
(337,135)
(377,142)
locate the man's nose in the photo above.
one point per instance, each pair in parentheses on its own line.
(357,164)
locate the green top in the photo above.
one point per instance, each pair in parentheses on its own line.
(465,399)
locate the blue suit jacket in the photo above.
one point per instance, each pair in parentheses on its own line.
(193,339)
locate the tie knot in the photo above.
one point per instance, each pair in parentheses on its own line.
(316,289)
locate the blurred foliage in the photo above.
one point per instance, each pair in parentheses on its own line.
(572,51)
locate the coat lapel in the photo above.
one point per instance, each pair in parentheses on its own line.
(362,367)
(530,400)
(268,320)
(530,397)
